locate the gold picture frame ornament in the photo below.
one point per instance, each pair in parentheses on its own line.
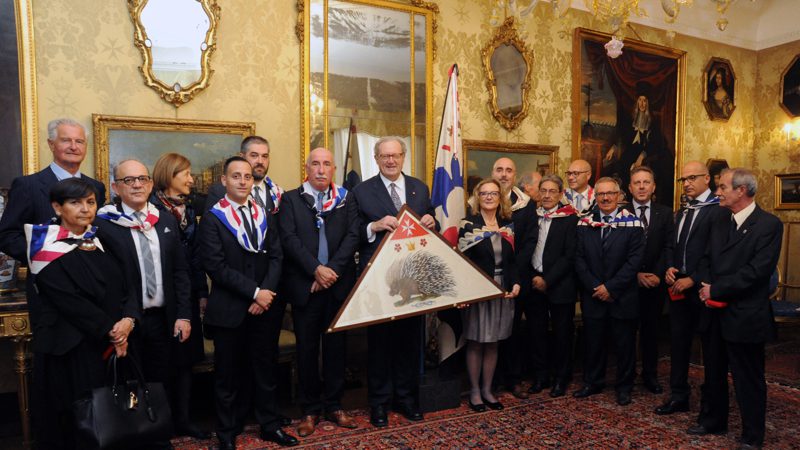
(175,94)
(719,109)
(787,191)
(506,35)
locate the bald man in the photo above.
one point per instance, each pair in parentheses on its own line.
(526,232)
(530,184)
(580,195)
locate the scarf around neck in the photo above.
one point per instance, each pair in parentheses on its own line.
(335,200)
(47,243)
(228,214)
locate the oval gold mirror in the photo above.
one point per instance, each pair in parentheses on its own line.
(507,62)
(176,38)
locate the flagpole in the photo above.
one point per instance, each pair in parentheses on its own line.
(446,97)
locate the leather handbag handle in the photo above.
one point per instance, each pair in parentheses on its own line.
(112,365)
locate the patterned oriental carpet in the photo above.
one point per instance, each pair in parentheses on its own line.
(543,422)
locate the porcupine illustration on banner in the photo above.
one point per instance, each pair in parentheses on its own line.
(415,271)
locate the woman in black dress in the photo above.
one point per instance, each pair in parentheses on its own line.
(487,238)
(84,312)
(172,186)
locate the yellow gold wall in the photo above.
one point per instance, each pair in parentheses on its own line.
(87,64)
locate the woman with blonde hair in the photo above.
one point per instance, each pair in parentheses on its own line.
(487,238)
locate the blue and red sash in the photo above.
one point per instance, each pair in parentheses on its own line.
(47,243)
(624,218)
(113,215)
(474,236)
(227,213)
(337,196)
(276,192)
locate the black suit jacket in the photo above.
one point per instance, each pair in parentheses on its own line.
(526,233)
(698,240)
(558,260)
(482,254)
(236,273)
(739,270)
(300,242)
(118,240)
(660,240)
(216,191)
(29,202)
(374,203)
(617,269)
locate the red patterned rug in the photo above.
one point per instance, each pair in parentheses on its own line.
(543,422)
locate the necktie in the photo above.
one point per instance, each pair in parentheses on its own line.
(579,202)
(147,256)
(259,200)
(734,229)
(684,236)
(322,251)
(395,197)
(248,226)
(606,230)
(643,218)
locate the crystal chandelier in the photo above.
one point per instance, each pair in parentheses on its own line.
(615,12)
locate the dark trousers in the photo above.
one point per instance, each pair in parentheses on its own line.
(714,393)
(561,318)
(393,359)
(245,360)
(747,367)
(624,336)
(153,341)
(684,316)
(310,325)
(651,303)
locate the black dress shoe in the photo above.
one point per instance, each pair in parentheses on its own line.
(409,412)
(623,398)
(559,389)
(377,416)
(587,391)
(285,421)
(672,406)
(480,407)
(700,430)
(497,406)
(653,386)
(191,430)
(537,387)
(227,445)
(279,437)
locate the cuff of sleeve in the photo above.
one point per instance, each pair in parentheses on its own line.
(370,233)
(255,294)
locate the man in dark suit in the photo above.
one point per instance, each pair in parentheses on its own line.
(744,247)
(394,347)
(241,253)
(608,257)
(267,194)
(659,236)
(686,314)
(554,292)
(319,228)
(580,194)
(523,214)
(148,245)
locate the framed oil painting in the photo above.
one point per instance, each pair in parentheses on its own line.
(719,87)
(206,144)
(715,168)
(787,191)
(628,111)
(790,88)
(481,155)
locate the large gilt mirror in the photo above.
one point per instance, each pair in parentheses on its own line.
(176,39)
(367,73)
(508,62)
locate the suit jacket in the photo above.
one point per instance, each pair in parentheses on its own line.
(482,254)
(739,270)
(235,272)
(29,202)
(118,240)
(697,242)
(616,268)
(558,260)
(526,233)
(216,191)
(660,239)
(374,203)
(300,242)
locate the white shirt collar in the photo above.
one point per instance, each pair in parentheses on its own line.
(236,205)
(62,173)
(130,211)
(613,213)
(400,182)
(705,196)
(307,187)
(742,215)
(637,204)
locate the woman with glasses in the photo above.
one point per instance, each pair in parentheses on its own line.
(172,189)
(487,238)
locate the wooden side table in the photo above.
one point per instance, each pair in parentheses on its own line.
(15,325)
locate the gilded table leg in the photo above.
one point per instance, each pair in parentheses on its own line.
(22,370)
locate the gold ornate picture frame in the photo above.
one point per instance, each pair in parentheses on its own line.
(205,143)
(181,88)
(787,191)
(719,89)
(507,64)
(481,155)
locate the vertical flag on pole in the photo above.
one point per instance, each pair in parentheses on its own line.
(447,194)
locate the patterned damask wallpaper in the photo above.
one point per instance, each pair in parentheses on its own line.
(87,64)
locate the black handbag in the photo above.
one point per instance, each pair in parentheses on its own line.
(124,415)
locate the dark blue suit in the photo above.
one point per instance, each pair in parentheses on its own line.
(394,347)
(616,268)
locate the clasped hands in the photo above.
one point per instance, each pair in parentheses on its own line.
(262,302)
(324,277)
(119,335)
(678,285)
(602,294)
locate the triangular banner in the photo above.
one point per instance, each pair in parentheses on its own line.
(414,271)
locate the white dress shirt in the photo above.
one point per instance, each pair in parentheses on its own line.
(155,249)
(742,215)
(701,198)
(400,187)
(638,211)
(544,228)
(62,173)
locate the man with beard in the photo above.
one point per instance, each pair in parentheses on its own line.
(523,214)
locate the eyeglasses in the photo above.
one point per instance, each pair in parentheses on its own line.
(575,173)
(549,191)
(394,156)
(691,178)
(129,181)
(606,194)
(490,194)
